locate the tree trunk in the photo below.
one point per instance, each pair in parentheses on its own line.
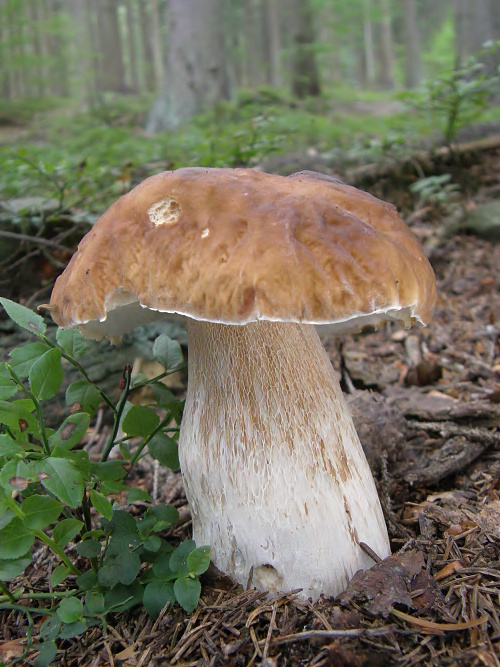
(305,78)
(272,43)
(147,51)
(386,47)
(197,74)
(156,43)
(113,75)
(82,83)
(369,52)
(413,67)
(253,44)
(132,76)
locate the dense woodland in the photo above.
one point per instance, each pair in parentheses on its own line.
(86,48)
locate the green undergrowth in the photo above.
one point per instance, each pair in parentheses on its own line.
(94,157)
(105,557)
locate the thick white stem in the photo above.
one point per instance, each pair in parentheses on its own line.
(278,483)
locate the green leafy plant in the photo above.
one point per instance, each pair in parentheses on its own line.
(51,492)
(460,96)
(439,191)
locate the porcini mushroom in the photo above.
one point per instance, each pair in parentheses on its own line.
(274,472)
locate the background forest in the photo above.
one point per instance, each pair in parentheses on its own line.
(94,80)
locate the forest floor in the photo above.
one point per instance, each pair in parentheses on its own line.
(426,403)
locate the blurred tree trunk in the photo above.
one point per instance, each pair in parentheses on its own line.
(253,44)
(413,65)
(57,44)
(329,36)
(272,42)
(37,33)
(386,78)
(132,75)
(82,84)
(156,44)
(113,75)
(369,51)
(147,51)
(305,78)
(197,74)
(476,22)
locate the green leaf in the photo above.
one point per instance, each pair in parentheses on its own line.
(138,495)
(24,317)
(72,342)
(94,603)
(83,396)
(108,471)
(58,575)
(9,569)
(168,352)
(125,451)
(107,575)
(165,516)
(108,488)
(16,474)
(8,388)
(50,628)
(70,630)
(152,543)
(127,566)
(23,358)
(6,515)
(46,654)
(162,395)
(18,417)
(89,548)
(199,560)
(66,530)
(87,580)
(123,524)
(156,595)
(9,447)
(165,450)
(178,559)
(15,540)
(60,477)
(161,567)
(71,431)
(123,597)
(78,457)
(46,375)
(140,421)
(70,610)
(40,511)
(101,504)
(187,591)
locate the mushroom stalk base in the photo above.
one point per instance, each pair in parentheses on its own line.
(278,483)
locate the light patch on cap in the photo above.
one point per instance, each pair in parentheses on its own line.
(164,212)
(205,232)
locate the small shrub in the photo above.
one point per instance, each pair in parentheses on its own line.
(51,492)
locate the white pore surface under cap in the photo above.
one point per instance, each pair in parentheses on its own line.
(278,483)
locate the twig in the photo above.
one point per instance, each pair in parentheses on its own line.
(307,635)
(270,631)
(447,429)
(34,239)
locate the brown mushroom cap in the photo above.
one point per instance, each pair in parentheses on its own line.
(238,245)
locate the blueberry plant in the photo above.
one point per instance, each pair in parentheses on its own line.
(52,495)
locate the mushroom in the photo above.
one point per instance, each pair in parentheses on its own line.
(274,472)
